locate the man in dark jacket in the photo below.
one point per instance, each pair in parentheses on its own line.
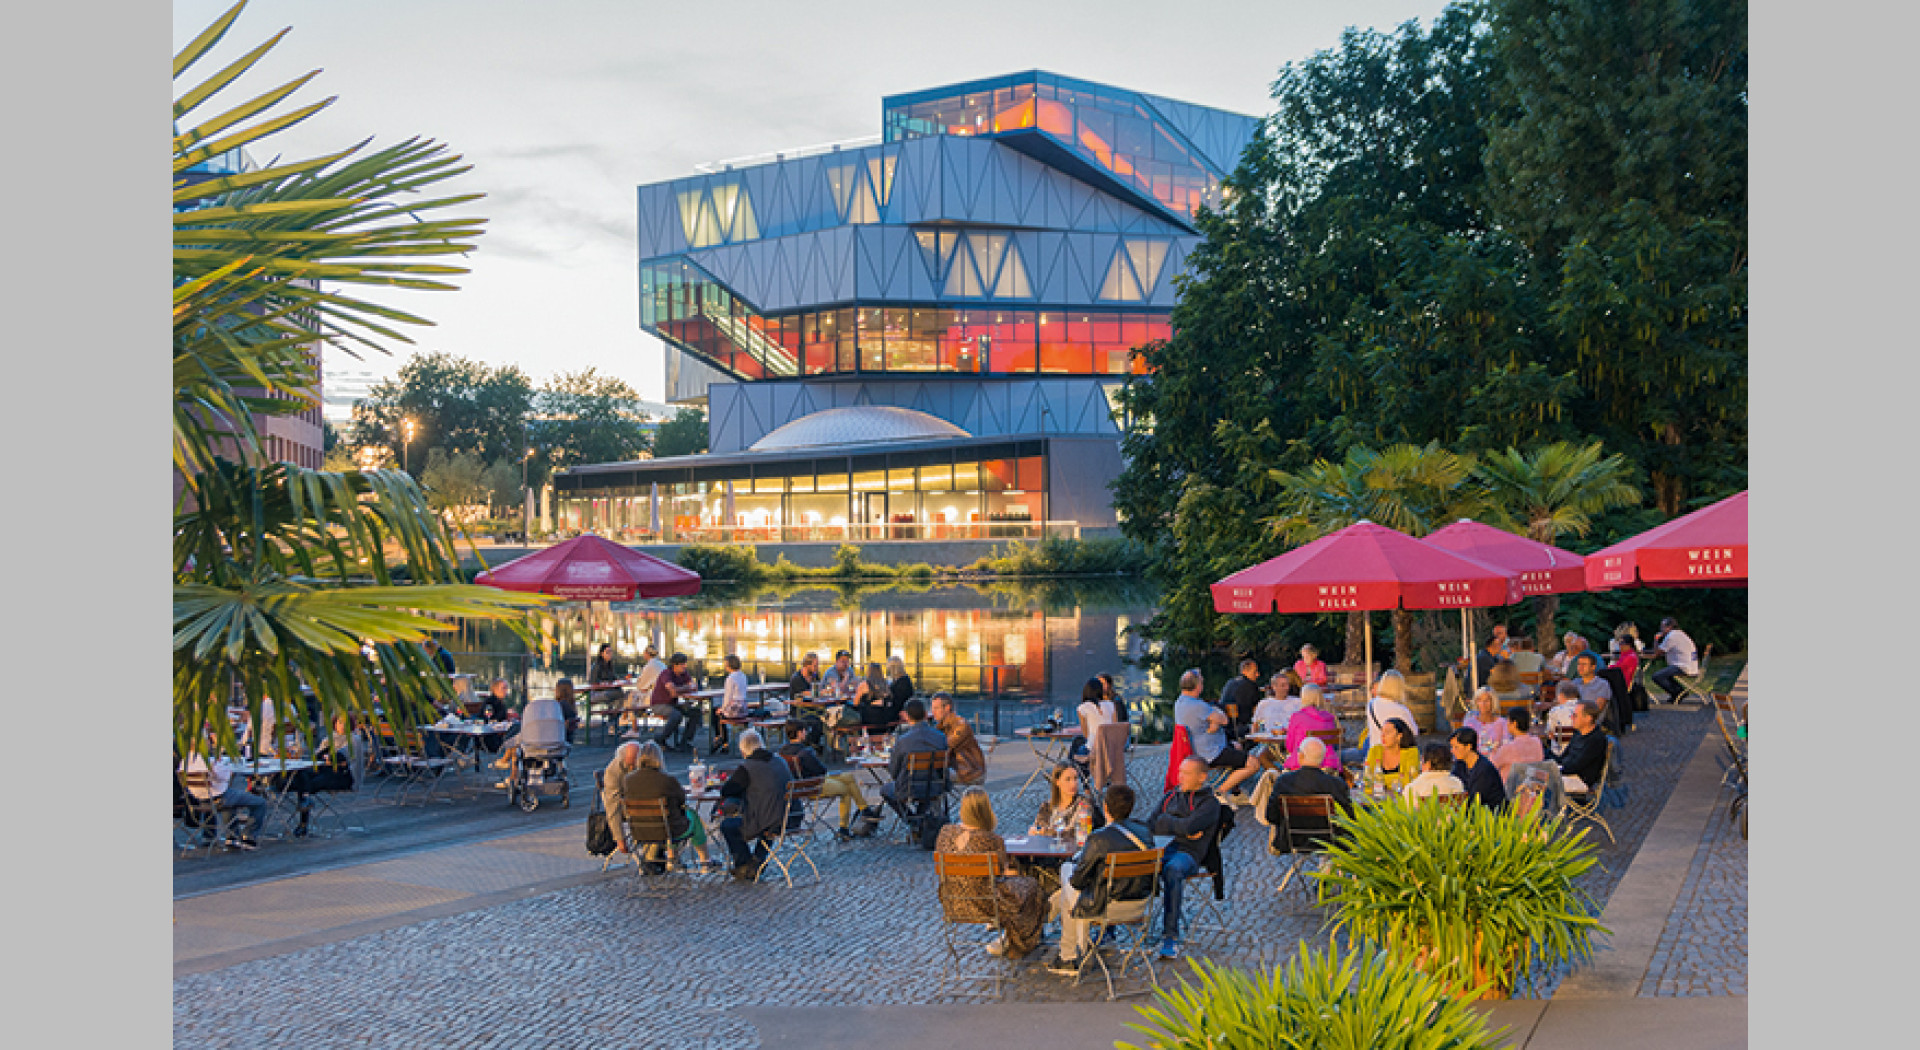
(1241,695)
(1083,894)
(1475,773)
(919,736)
(758,785)
(1585,755)
(1191,815)
(1309,779)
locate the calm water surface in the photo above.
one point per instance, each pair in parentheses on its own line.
(1016,649)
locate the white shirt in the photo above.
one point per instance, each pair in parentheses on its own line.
(1273,712)
(733,695)
(1561,715)
(219,774)
(644,683)
(1679,651)
(1380,711)
(1093,715)
(1432,782)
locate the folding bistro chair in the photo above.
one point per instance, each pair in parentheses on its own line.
(1306,828)
(1131,921)
(202,820)
(649,830)
(1587,807)
(926,786)
(964,883)
(1736,771)
(404,756)
(789,847)
(1699,687)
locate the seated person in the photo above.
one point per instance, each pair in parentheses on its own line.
(1083,885)
(664,700)
(1192,816)
(1313,715)
(1562,663)
(649,780)
(1683,659)
(542,732)
(1585,756)
(1567,695)
(496,701)
(1309,779)
(964,757)
(229,793)
(1057,813)
(837,683)
(569,706)
(805,763)
(733,704)
(1397,760)
(919,736)
(806,677)
(625,758)
(1310,667)
(1437,778)
(1270,715)
(1241,694)
(1022,910)
(877,713)
(758,789)
(1474,772)
(1505,682)
(1487,722)
(1524,747)
(1206,731)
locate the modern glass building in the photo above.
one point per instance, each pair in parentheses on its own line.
(988,265)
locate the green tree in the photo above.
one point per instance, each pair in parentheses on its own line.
(1551,492)
(586,417)
(455,404)
(282,574)
(453,482)
(501,485)
(683,435)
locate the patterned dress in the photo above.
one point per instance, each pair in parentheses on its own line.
(1022,909)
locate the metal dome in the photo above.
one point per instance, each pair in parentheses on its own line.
(857,425)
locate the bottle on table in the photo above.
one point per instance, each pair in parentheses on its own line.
(697,776)
(1082,820)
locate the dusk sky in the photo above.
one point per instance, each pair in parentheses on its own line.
(565,106)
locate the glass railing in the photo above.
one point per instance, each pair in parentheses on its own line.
(841,533)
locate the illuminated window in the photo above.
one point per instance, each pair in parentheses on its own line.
(717,214)
(1134,269)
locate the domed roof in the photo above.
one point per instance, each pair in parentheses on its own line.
(857,425)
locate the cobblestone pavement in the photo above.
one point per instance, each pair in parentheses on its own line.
(588,965)
(1703,950)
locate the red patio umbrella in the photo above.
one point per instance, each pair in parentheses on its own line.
(1707,548)
(1362,568)
(588,568)
(1542,568)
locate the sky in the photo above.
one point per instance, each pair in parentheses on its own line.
(563,107)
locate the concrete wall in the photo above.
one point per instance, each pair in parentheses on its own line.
(1078,470)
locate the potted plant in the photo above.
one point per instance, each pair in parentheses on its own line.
(1319,1001)
(1470,896)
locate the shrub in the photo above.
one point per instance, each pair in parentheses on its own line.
(1471,896)
(1319,1001)
(1060,556)
(735,562)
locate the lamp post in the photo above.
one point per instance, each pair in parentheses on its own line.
(406,445)
(526,500)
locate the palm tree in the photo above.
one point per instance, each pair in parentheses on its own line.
(1551,492)
(282,574)
(1413,488)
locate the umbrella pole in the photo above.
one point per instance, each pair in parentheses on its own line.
(1366,669)
(1473,656)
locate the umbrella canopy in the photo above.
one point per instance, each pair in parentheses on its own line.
(1542,567)
(588,568)
(1707,548)
(1364,567)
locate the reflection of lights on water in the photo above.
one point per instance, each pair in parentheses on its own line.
(1014,647)
(937,651)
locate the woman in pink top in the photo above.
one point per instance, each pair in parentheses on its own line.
(1524,747)
(1313,714)
(1485,720)
(1309,667)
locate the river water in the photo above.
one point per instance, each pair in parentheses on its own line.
(1006,651)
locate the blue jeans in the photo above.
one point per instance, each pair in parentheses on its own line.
(237,797)
(1173,882)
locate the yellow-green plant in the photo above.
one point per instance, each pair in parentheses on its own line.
(1320,1001)
(1471,896)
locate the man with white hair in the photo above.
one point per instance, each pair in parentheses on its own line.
(756,794)
(1309,779)
(625,758)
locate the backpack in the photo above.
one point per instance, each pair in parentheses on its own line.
(928,830)
(599,834)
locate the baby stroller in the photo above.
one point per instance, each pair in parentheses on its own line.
(539,771)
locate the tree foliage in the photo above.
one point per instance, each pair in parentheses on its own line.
(683,435)
(587,417)
(455,404)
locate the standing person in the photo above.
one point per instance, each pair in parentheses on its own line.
(964,757)
(1478,775)
(600,669)
(1682,659)
(668,688)
(733,704)
(1192,817)
(1241,694)
(1112,690)
(1310,668)
(1095,710)
(1206,733)
(758,787)
(1022,909)
(440,656)
(1082,893)
(899,682)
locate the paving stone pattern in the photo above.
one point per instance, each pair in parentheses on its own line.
(587,965)
(1703,950)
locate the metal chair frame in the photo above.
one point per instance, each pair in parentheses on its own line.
(1736,772)
(1303,841)
(1577,811)
(927,775)
(949,870)
(647,826)
(203,810)
(1133,936)
(1699,686)
(789,846)
(404,757)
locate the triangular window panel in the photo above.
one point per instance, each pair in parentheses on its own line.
(840,178)
(880,174)
(1147,257)
(929,252)
(689,201)
(1012,282)
(862,207)
(963,277)
(1120,283)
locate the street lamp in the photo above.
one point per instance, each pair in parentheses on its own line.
(406,445)
(526,499)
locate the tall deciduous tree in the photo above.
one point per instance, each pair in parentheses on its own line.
(683,435)
(455,404)
(586,417)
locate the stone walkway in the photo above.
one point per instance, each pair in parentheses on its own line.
(518,940)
